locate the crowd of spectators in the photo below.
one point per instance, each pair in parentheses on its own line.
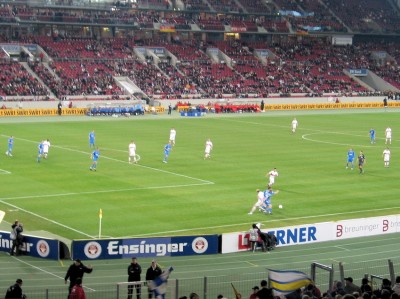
(312,66)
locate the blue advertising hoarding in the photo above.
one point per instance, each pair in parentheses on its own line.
(144,247)
(32,246)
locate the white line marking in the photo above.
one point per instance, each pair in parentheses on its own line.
(47,219)
(305,137)
(47,272)
(2,171)
(2,200)
(121,161)
(267,222)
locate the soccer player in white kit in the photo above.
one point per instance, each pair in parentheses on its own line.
(259,203)
(295,124)
(46,146)
(386,157)
(207,151)
(272,175)
(132,152)
(388,135)
(172,136)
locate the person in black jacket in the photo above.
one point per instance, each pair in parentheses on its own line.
(134,271)
(152,273)
(15,291)
(76,270)
(16,237)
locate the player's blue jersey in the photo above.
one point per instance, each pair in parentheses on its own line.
(91,137)
(95,155)
(267,195)
(372,133)
(40,148)
(167,149)
(350,156)
(10,142)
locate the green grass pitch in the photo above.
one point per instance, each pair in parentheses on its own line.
(190,195)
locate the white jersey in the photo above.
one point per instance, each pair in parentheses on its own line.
(294,123)
(388,133)
(272,174)
(260,198)
(209,146)
(386,155)
(46,146)
(132,149)
(172,135)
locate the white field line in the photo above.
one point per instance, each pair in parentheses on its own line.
(45,271)
(5,199)
(121,161)
(269,221)
(2,171)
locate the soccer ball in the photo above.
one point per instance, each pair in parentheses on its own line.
(280,206)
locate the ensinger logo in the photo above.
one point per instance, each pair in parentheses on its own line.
(200,245)
(92,250)
(43,248)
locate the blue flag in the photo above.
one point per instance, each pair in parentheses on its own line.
(159,285)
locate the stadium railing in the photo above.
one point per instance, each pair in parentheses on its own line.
(211,286)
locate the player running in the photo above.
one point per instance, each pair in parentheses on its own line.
(267,207)
(272,175)
(259,203)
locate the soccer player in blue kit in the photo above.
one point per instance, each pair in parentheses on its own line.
(267,208)
(350,158)
(92,138)
(10,146)
(167,149)
(95,156)
(372,135)
(40,151)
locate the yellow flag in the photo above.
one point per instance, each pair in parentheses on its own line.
(101,213)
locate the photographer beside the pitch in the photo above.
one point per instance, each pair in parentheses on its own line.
(16,237)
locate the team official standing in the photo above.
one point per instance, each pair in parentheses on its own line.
(134,272)
(152,273)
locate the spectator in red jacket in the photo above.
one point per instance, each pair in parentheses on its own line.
(77,291)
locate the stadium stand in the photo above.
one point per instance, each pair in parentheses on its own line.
(209,49)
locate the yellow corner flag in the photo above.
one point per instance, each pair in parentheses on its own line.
(101,213)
